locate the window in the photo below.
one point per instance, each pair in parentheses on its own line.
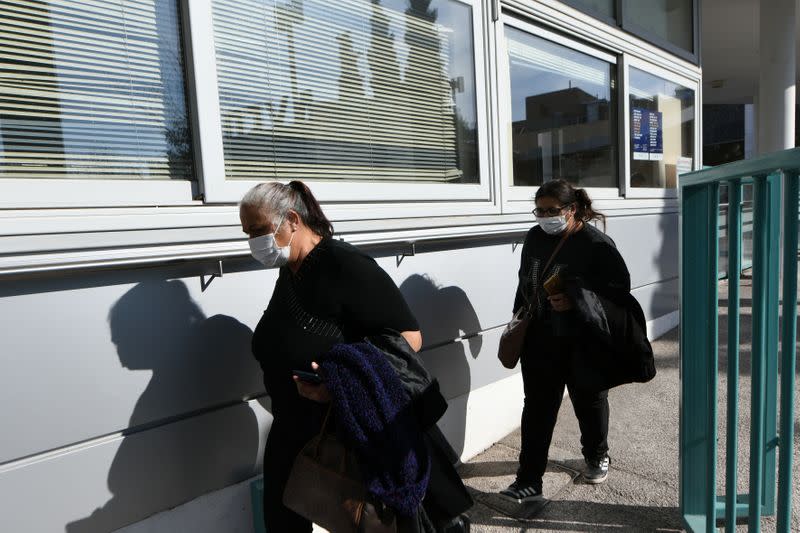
(662,130)
(353,90)
(93,90)
(669,20)
(563,113)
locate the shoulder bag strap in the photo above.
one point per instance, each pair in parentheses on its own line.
(553,256)
(547,265)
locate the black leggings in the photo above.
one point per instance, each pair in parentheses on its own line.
(544,382)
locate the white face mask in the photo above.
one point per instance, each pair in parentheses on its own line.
(553,225)
(267,252)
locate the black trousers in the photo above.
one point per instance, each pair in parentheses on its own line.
(284,442)
(544,378)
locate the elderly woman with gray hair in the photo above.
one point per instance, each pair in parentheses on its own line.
(327,292)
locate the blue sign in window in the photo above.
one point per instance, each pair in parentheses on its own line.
(647,134)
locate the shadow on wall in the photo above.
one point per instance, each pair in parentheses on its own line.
(664,299)
(170,453)
(445,314)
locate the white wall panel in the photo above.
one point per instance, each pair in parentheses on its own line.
(88,356)
(466,365)
(484,416)
(117,481)
(458,292)
(649,245)
(658,299)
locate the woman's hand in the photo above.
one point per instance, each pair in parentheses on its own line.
(414,339)
(560,302)
(316,393)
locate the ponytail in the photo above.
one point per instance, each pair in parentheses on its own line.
(566,194)
(311,211)
(277,199)
(583,208)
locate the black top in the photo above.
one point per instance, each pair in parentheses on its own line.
(589,255)
(339,294)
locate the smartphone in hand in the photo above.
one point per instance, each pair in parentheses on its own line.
(554,285)
(308,377)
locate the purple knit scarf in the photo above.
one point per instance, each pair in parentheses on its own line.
(374,418)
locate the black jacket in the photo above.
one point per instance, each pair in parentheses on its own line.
(613,348)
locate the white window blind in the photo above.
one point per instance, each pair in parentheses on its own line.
(92,89)
(348,90)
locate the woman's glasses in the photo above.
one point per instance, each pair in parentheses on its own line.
(549,211)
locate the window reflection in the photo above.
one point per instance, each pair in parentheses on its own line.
(354,89)
(563,108)
(662,130)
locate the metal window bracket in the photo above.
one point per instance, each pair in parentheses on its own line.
(206,279)
(412,251)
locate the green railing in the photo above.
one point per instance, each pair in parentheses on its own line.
(745,207)
(702,509)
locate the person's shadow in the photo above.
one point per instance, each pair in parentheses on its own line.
(190,432)
(445,314)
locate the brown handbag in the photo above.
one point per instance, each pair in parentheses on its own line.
(326,487)
(513,337)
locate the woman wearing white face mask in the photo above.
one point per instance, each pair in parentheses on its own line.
(573,281)
(327,292)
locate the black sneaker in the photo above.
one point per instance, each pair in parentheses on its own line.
(522,492)
(460,524)
(597,471)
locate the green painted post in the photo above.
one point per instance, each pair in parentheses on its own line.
(769,480)
(759,310)
(712,350)
(763,230)
(734,274)
(788,343)
(699,249)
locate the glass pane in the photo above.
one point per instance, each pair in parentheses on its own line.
(662,130)
(603,7)
(563,107)
(723,133)
(93,90)
(348,90)
(671,20)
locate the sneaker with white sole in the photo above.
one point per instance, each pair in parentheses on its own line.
(523,492)
(597,471)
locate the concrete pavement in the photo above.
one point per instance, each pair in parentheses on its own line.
(641,493)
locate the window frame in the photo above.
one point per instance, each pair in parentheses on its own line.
(385,197)
(629,61)
(517,198)
(68,192)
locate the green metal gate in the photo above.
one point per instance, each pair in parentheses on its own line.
(701,507)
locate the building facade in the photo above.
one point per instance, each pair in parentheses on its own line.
(129,129)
